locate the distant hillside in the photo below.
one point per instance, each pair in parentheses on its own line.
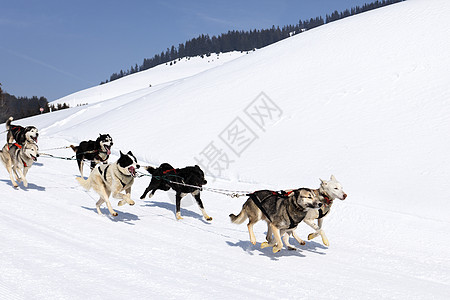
(22,107)
(242,40)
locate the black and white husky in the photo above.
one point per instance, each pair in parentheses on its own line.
(112,179)
(18,159)
(20,134)
(96,151)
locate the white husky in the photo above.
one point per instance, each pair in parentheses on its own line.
(327,192)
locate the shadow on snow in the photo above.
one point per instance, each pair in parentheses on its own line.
(124,217)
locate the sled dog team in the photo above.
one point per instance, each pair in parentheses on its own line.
(282,210)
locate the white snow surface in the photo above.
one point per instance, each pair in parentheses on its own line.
(365,99)
(158,77)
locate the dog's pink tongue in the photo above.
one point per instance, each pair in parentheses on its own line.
(108,151)
(132,171)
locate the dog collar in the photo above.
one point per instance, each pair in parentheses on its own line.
(327,199)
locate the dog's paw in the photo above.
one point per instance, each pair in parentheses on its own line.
(292,248)
(276,249)
(264,245)
(121,202)
(324,238)
(208,219)
(179,217)
(114,214)
(311,236)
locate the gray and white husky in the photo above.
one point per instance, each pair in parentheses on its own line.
(112,179)
(282,211)
(18,159)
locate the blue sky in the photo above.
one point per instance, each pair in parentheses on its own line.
(53,48)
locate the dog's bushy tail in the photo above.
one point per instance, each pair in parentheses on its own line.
(74,148)
(8,123)
(149,169)
(240,218)
(84,183)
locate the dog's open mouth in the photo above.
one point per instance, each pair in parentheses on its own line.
(34,138)
(314,206)
(132,171)
(108,149)
(34,158)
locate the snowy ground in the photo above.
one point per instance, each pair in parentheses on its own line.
(364,98)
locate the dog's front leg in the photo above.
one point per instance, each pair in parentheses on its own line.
(270,241)
(318,231)
(200,204)
(16,175)
(11,176)
(145,192)
(104,195)
(285,238)
(22,175)
(126,198)
(98,204)
(298,239)
(269,238)
(153,185)
(178,198)
(320,222)
(277,236)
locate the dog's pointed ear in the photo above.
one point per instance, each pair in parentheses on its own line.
(333,178)
(121,154)
(322,181)
(130,153)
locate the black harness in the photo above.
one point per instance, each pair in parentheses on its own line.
(103,173)
(279,194)
(258,203)
(328,202)
(321,214)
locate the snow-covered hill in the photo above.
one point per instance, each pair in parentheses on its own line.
(158,77)
(364,98)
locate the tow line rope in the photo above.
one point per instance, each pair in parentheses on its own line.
(59,157)
(229,193)
(65,147)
